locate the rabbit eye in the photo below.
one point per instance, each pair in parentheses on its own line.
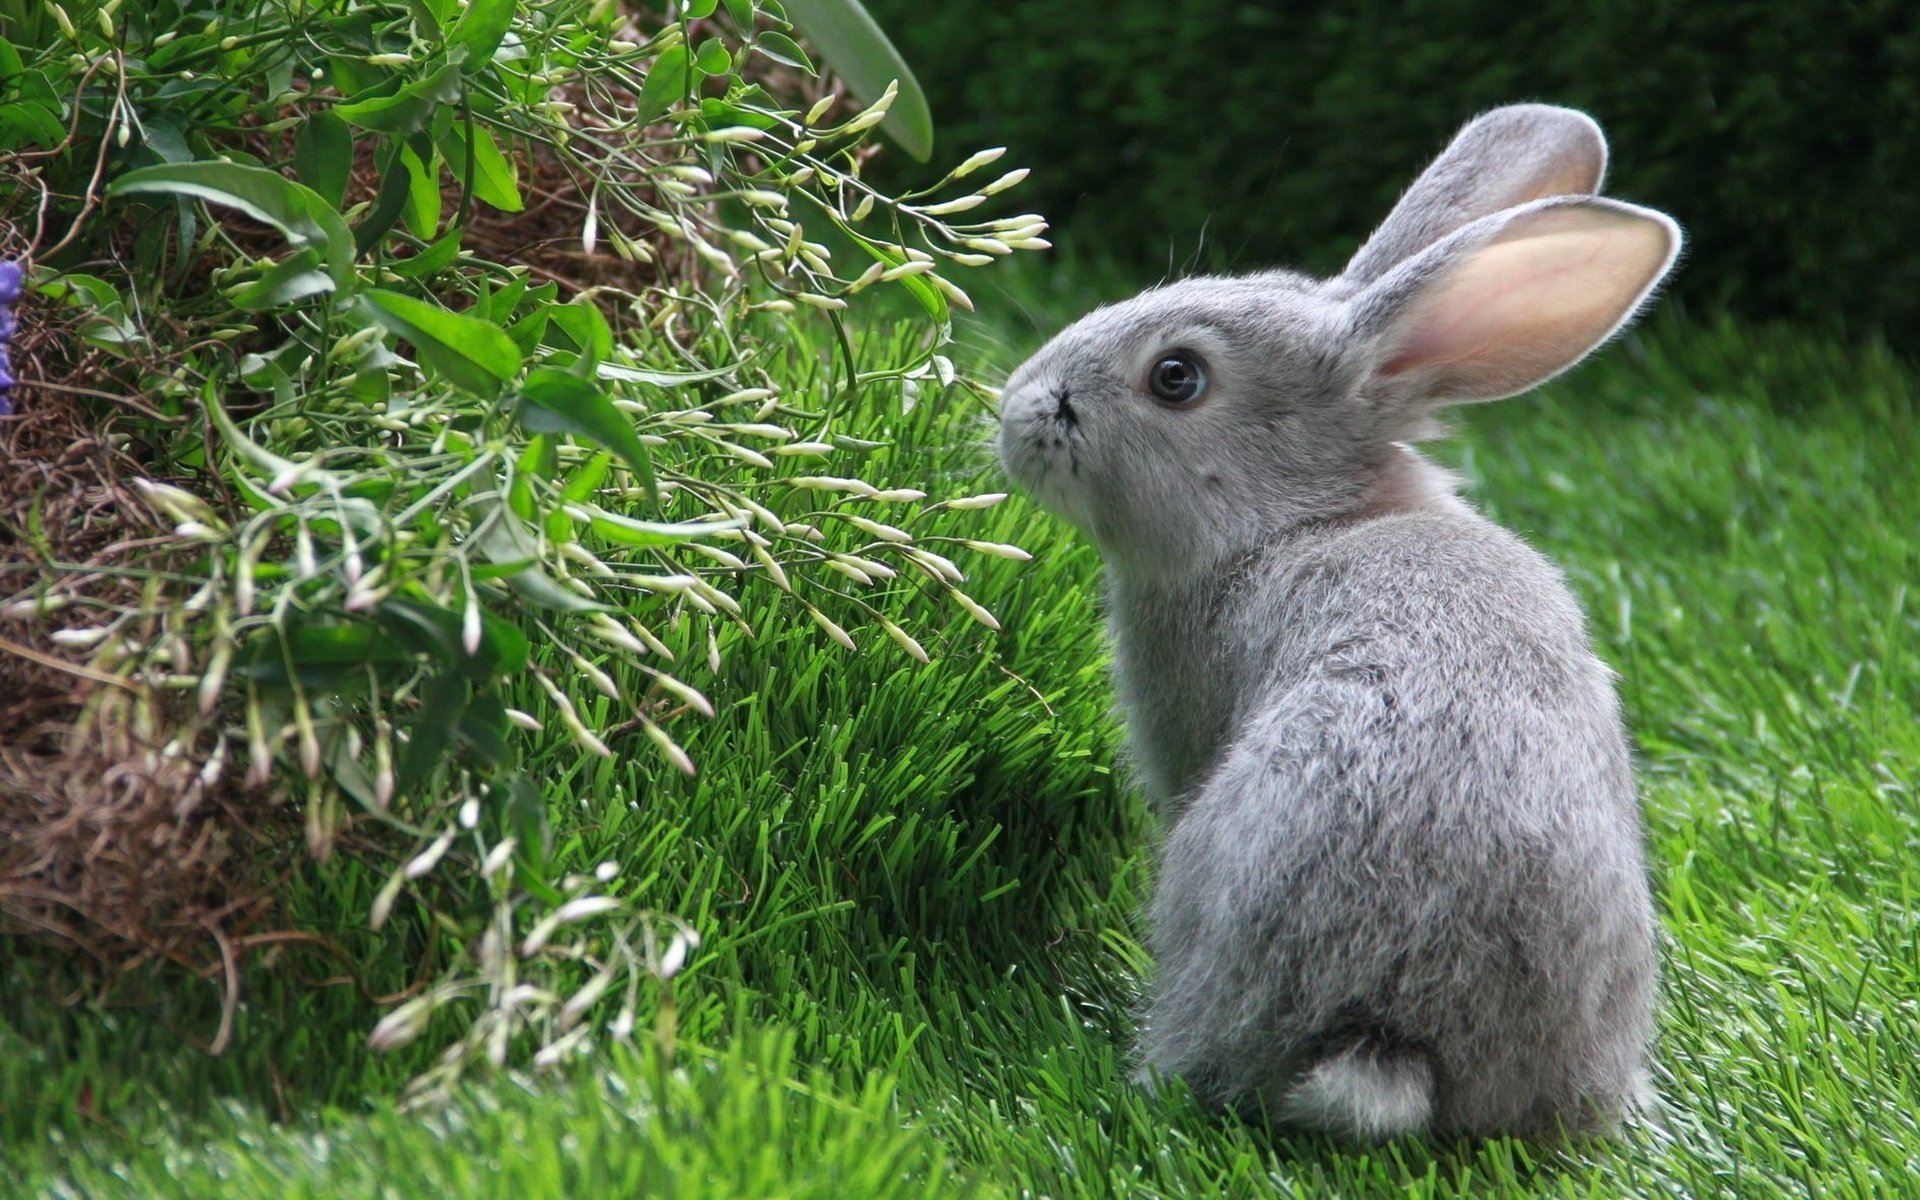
(1178,378)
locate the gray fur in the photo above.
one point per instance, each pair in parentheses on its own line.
(1402,887)
(1503,159)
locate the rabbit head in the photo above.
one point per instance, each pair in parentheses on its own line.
(1193,420)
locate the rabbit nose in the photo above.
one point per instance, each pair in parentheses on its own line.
(1063,407)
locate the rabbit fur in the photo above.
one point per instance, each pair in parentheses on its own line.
(1402,887)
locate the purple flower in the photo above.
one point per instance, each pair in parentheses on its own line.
(10,276)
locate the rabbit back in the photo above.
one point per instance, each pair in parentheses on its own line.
(1414,843)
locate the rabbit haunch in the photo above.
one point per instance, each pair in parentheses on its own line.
(1402,887)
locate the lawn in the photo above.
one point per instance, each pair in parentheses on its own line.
(919,885)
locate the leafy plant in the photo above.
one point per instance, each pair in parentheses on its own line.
(452,460)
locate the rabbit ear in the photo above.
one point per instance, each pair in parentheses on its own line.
(1513,299)
(1499,160)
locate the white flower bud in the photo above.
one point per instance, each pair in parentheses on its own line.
(1000,550)
(978,159)
(833,631)
(984,500)
(884,532)
(497,858)
(958,205)
(905,640)
(429,858)
(403,1024)
(820,108)
(670,749)
(1006,181)
(974,609)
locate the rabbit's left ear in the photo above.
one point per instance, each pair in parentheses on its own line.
(1498,160)
(1513,299)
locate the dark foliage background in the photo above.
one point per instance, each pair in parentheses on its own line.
(1222,133)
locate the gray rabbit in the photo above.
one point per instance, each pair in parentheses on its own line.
(1402,888)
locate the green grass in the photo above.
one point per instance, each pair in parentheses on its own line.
(919,886)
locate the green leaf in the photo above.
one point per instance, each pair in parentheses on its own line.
(344,642)
(166,137)
(930,297)
(431,16)
(668,82)
(293,279)
(503,539)
(699,10)
(297,211)
(526,818)
(477,355)
(541,459)
(480,30)
(556,401)
(586,327)
(388,202)
(718,114)
(322,654)
(628,532)
(323,156)
(712,58)
(483,730)
(785,51)
(101,310)
(349,77)
(528,331)
(23,121)
(586,479)
(860,53)
(263,374)
(443,702)
(438,631)
(435,258)
(499,305)
(496,179)
(408,110)
(422,211)
(398,113)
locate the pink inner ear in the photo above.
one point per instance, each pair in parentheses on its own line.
(1531,302)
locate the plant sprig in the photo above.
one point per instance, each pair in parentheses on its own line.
(435,474)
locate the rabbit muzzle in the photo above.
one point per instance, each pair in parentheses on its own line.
(1042,446)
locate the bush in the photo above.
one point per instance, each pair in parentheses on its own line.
(470,356)
(1786,138)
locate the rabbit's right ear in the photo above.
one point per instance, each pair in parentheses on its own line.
(1499,160)
(1510,301)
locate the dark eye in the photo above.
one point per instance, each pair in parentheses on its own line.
(1178,378)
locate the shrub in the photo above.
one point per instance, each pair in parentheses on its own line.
(469,347)
(1782,136)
